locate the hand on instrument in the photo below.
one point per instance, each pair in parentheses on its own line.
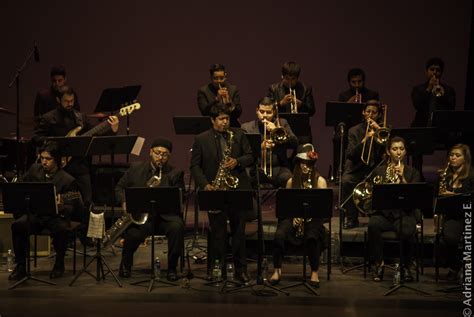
(353,99)
(373,124)
(268,144)
(124,207)
(114,123)
(209,187)
(269,125)
(434,81)
(286,100)
(230,164)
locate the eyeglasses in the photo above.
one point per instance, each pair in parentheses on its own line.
(161,154)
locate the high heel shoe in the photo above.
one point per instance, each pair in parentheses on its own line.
(378,273)
(275,282)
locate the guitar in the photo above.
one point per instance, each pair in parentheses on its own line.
(100,128)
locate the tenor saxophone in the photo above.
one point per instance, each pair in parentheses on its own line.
(224,180)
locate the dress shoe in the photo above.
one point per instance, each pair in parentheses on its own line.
(378,273)
(18,273)
(407,274)
(350,224)
(125,271)
(242,278)
(172,276)
(314,284)
(58,271)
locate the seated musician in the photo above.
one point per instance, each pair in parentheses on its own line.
(291,229)
(279,137)
(456,178)
(49,170)
(394,171)
(153,173)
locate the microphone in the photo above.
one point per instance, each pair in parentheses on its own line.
(341,126)
(36,53)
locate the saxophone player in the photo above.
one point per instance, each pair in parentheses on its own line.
(305,175)
(210,157)
(279,138)
(170,225)
(456,178)
(393,171)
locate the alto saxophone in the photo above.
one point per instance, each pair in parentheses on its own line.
(224,180)
(298,223)
(443,188)
(126,220)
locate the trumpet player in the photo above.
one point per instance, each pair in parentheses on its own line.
(456,178)
(394,170)
(292,95)
(219,91)
(432,95)
(277,138)
(355,170)
(170,225)
(357,92)
(305,176)
(208,156)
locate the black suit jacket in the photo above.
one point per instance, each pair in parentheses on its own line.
(421,102)
(206,158)
(304,93)
(206,98)
(47,100)
(139,173)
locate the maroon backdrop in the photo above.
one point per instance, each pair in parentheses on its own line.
(167,47)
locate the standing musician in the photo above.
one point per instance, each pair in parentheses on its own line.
(49,170)
(218,91)
(279,138)
(432,95)
(291,229)
(59,122)
(355,169)
(156,172)
(48,99)
(394,171)
(221,154)
(292,95)
(456,178)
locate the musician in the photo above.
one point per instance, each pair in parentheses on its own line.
(218,91)
(49,99)
(266,118)
(357,93)
(394,171)
(280,92)
(459,179)
(138,175)
(305,176)
(432,95)
(59,122)
(208,156)
(354,169)
(48,170)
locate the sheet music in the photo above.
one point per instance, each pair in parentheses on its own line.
(137,147)
(96,226)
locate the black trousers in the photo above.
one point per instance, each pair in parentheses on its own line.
(379,224)
(136,234)
(452,238)
(286,232)
(57,226)
(218,236)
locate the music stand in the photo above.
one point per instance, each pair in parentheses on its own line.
(453,127)
(402,196)
(305,203)
(157,200)
(239,200)
(419,142)
(299,122)
(27,199)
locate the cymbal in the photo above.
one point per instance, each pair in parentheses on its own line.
(98,115)
(6,111)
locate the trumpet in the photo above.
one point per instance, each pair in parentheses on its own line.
(279,135)
(358,96)
(293,104)
(226,98)
(380,135)
(438,90)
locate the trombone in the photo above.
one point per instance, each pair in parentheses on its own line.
(278,136)
(293,104)
(380,135)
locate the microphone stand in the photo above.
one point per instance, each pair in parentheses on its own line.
(16,81)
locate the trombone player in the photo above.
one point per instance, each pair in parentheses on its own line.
(139,175)
(362,156)
(277,137)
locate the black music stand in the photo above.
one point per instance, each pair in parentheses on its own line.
(227,201)
(73,147)
(28,199)
(299,122)
(305,203)
(453,127)
(193,125)
(402,196)
(154,201)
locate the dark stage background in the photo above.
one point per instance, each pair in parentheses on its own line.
(167,48)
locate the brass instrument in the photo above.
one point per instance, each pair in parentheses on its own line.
(224,180)
(293,103)
(298,223)
(225,99)
(279,135)
(380,135)
(358,96)
(126,220)
(438,90)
